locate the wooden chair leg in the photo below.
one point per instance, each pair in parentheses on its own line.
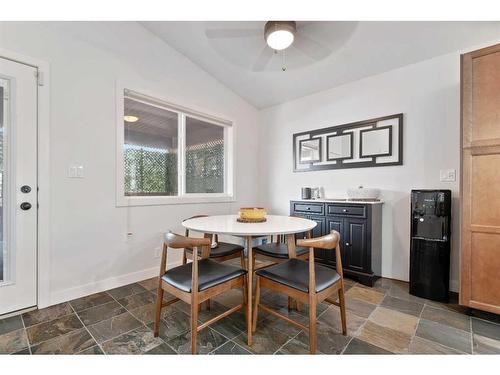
(159,302)
(242,260)
(256,305)
(194,326)
(184,257)
(243,265)
(244,294)
(312,325)
(342,310)
(208,304)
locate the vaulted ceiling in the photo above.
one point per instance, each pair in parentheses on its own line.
(326,54)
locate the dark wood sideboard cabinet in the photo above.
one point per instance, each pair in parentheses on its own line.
(360,228)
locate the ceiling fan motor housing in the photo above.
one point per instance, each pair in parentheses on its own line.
(274,26)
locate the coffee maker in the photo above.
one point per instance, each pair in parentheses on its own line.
(311,193)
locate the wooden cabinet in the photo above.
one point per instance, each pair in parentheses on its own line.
(360,227)
(480,183)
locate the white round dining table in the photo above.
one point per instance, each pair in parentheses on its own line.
(274,224)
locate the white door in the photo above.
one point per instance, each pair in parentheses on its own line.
(18,186)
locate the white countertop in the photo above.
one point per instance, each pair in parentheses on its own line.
(227,224)
(338,200)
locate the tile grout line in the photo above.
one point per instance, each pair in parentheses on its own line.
(55,337)
(355,334)
(135,317)
(26,333)
(416,327)
(432,341)
(300,331)
(48,321)
(471,337)
(90,333)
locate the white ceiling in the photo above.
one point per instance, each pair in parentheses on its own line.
(331,53)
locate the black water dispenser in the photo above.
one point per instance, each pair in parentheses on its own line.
(430,244)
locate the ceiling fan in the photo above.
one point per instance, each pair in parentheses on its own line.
(279,36)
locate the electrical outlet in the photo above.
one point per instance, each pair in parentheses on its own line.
(157,252)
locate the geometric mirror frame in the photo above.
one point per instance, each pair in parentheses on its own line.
(310,150)
(376,142)
(339,146)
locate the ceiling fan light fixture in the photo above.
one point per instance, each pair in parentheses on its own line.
(279,35)
(130,118)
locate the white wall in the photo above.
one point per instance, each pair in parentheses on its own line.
(428,95)
(89,251)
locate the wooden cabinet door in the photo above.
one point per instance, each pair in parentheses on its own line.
(318,231)
(480,201)
(354,244)
(338,225)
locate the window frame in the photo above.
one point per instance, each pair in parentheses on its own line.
(145,97)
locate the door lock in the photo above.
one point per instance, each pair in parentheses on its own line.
(25,189)
(25,206)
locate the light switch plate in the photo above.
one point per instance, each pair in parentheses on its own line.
(448,175)
(79,171)
(76,171)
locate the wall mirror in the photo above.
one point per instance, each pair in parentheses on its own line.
(310,150)
(377,142)
(339,146)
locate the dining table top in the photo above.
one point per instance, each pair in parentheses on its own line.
(228,224)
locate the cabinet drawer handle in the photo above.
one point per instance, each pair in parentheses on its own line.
(308,208)
(344,210)
(347,243)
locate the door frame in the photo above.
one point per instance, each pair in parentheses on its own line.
(43,172)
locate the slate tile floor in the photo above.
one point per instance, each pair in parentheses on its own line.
(384,319)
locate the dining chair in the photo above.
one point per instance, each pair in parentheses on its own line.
(196,282)
(276,251)
(306,282)
(222,252)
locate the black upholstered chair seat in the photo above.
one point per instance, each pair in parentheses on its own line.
(223,249)
(278,250)
(210,273)
(295,274)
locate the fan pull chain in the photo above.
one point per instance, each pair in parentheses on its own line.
(283,64)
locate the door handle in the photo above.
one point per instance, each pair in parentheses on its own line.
(347,244)
(25,206)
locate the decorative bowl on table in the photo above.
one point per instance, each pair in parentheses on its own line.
(361,193)
(252,215)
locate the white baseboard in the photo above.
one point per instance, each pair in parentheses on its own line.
(69,294)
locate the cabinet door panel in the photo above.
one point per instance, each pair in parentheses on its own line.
(355,244)
(338,225)
(318,231)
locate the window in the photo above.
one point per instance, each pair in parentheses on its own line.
(150,149)
(170,154)
(204,157)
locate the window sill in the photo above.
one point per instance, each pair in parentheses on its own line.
(128,201)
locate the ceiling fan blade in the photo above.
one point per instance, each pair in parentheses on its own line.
(310,48)
(263,59)
(233,33)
